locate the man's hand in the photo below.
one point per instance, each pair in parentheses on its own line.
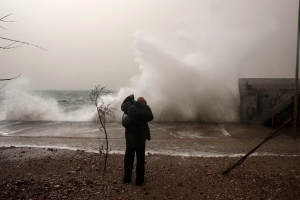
(131,96)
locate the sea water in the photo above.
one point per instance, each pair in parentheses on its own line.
(67,120)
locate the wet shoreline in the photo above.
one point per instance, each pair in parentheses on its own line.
(189,139)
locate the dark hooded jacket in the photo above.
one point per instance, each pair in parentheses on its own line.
(139,117)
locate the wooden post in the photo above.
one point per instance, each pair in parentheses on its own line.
(296,82)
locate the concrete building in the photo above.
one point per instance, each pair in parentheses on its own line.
(259,96)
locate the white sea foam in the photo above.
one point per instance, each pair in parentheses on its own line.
(4,132)
(192,134)
(160,152)
(23,105)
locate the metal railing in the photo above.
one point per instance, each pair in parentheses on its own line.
(273,110)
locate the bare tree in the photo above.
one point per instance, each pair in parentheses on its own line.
(103,110)
(14,43)
(8,79)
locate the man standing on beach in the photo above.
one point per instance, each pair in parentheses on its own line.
(136,133)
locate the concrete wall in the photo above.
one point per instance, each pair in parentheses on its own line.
(259,95)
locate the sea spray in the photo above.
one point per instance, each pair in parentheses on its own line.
(191,61)
(43,106)
(176,91)
(190,72)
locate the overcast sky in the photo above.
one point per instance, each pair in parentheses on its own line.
(91,42)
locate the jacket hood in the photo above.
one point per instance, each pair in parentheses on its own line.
(138,104)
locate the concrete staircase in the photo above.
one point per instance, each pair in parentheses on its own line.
(282,116)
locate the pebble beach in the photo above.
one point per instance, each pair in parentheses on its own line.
(45,173)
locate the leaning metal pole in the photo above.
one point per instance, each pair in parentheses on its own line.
(296,81)
(271,135)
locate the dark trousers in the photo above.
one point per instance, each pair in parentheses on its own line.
(135,143)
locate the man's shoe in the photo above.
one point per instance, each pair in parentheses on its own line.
(126,181)
(139,183)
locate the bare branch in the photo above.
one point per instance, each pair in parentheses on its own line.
(15,41)
(22,42)
(15,46)
(3,28)
(1,19)
(5,16)
(10,78)
(8,47)
(3,86)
